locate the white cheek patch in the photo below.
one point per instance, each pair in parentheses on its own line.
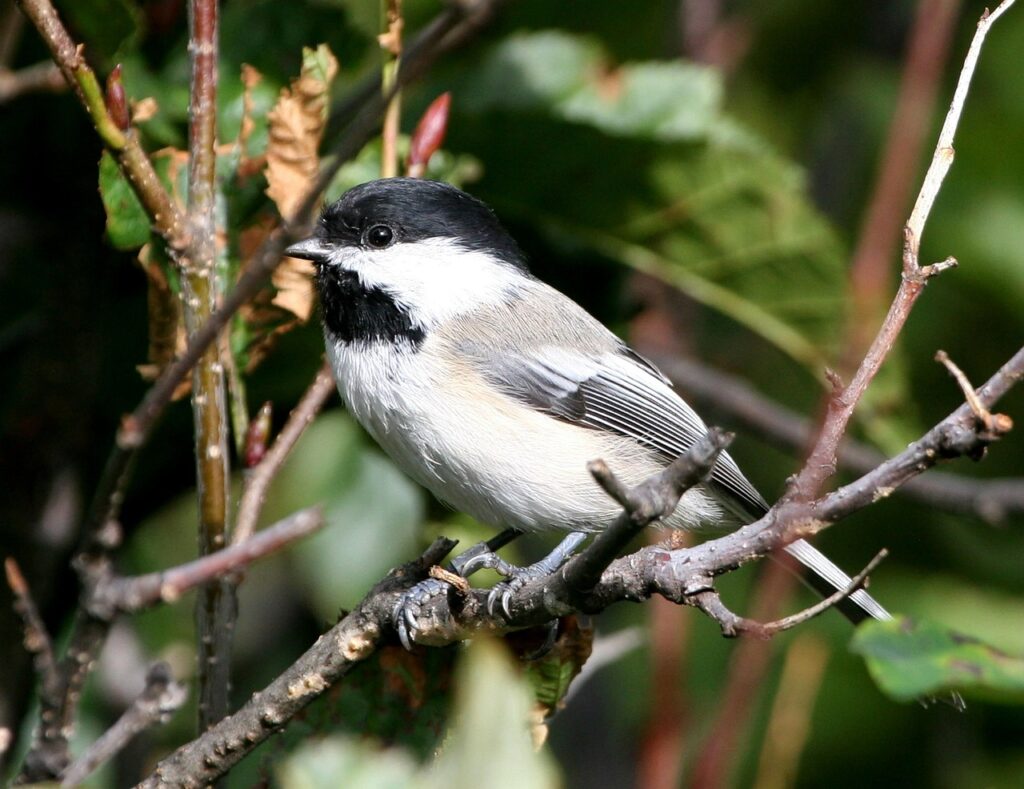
(435,279)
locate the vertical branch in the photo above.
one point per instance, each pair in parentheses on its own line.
(216,603)
(821,462)
(870,272)
(391,43)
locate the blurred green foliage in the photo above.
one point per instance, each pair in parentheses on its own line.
(910,660)
(607,152)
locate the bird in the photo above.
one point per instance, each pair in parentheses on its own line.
(494,390)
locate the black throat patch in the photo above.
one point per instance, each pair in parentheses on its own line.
(353,312)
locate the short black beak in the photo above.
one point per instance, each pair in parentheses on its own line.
(310,249)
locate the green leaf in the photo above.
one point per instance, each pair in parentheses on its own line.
(455,169)
(910,659)
(551,674)
(490,741)
(567,76)
(127,222)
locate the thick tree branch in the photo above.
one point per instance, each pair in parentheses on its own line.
(216,605)
(353,639)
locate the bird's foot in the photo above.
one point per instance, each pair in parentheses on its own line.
(518,577)
(410,608)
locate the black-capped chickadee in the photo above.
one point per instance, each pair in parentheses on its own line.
(492,389)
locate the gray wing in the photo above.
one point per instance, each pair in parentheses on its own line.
(618,391)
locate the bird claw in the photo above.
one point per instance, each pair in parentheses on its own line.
(516,579)
(409,608)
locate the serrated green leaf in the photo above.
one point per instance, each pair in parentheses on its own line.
(566,75)
(909,660)
(127,222)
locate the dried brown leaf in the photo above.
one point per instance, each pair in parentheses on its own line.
(296,124)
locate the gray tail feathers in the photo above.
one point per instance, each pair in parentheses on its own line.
(826,579)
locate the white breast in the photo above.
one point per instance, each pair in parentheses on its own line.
(484,454)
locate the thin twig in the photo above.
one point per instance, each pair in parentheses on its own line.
(39,78)
(158,701)
(992,500)
(124,144)
(870,269)
(134,593)
(391,44)
(994,423)
(821,462)
(258,479)
(732,624)
(37,637)
(654,498)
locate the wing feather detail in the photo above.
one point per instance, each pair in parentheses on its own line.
(619,392)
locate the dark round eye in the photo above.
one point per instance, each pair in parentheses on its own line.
(379,236)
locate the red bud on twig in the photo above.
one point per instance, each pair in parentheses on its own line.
(117,102)
(429,135)
(258,436)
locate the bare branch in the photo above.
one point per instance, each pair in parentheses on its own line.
(37,637)
(113,595)
(38,78)
(733,625)
(996,424)
(216,604)
(259,478)
(992,500)
(652,499)
(870,269)
(158,701)
(822,459)
(334,654)
(124,144)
